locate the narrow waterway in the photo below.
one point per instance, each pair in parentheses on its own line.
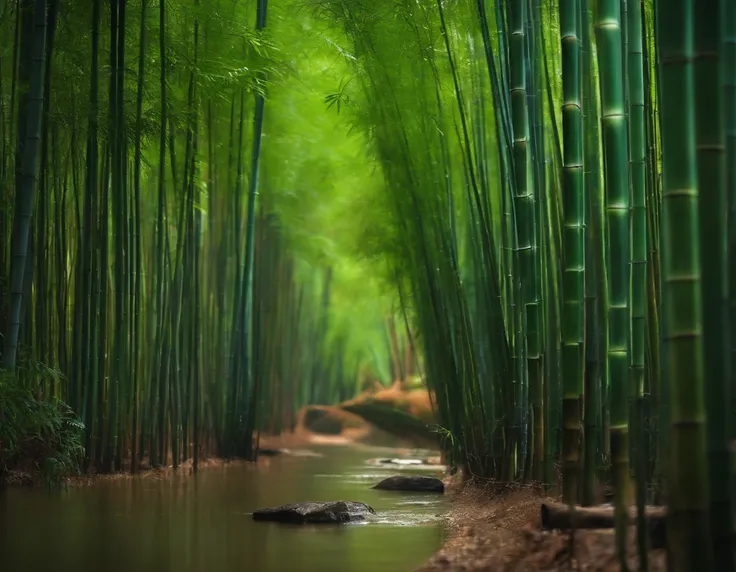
(203,522)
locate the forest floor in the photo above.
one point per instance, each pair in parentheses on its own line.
(494,530)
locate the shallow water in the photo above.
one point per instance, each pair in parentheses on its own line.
(203,523)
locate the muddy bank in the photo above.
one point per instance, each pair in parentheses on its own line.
(28,474)
(381,416)
(392,452)
(414,401)
(295,444)
(494,530)
(32,478)
(316,425)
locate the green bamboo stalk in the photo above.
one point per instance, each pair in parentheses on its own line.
(712,211)
(573,357)
(638,254)
(523,187)
(728,70)
(137,243)
(688,525)
(613,126)
(595,284)
(33,51)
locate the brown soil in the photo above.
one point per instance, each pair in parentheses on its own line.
(327,420)
(414,401)
(331,425)
(498,530)
(362,437)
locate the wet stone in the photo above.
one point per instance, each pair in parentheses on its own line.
(269,452)
(335,512)
(412,483)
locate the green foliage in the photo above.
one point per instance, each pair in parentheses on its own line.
(193,286)
(38,435)
(321,180)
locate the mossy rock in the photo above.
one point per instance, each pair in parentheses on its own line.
(411,483)
(327,420)
(393,420)
(335,512)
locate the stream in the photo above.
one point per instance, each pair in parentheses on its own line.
(203,523)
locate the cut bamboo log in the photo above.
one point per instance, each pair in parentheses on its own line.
(556,516)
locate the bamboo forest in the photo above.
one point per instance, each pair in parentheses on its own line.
(316,261)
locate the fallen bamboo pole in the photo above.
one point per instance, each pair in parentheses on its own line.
(556,516)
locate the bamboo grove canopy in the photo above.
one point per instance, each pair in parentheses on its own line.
(207,214)
(161,300)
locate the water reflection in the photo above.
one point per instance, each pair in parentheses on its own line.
(204,523)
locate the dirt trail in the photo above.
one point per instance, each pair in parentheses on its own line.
(494,530)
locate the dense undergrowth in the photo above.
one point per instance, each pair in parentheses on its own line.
(41,440)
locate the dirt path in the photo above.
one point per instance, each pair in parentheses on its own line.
(499,531)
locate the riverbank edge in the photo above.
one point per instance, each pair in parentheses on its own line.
(33,479)
(497,528)
(30,476)
(288,444)
(478,511)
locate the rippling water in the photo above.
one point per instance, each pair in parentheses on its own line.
(204,523)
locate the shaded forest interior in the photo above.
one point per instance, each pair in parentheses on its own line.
(213,214)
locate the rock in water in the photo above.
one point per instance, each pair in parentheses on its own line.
(269,452)
(412,483)
(315,512)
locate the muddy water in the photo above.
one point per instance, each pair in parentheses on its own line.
(204,523)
